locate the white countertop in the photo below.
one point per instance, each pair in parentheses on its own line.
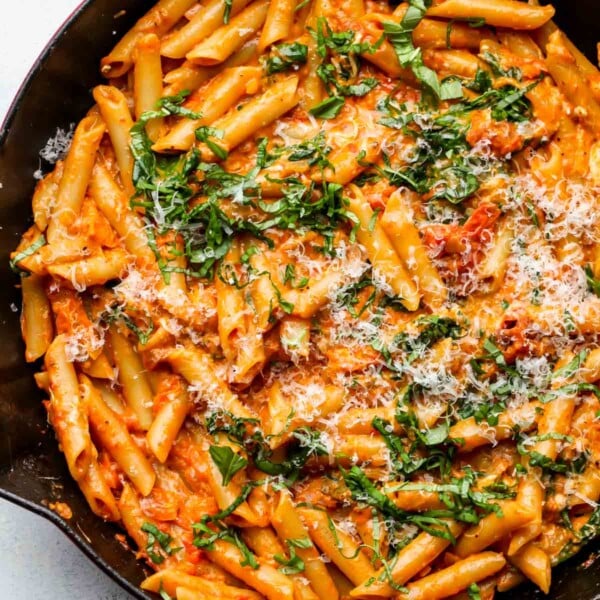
(38,561)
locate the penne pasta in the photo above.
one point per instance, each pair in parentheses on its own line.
(326,326)
(382,255)
(208,18)
(159,19)
(278,22)
(115,113)
(76,174)
(136,388)
(67,409)
(36,323)
(498,13)
(230,37)
(147,80)
(114,437)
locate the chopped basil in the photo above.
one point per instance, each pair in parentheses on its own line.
(314,150)
(400,36)
(568,390)
(286,56)
(156,536)
(348,296)
(494,353)
(434,329)
(492,61)
(292,565)
(304,444)
(303,543)
(206,135)
(29,251)
(328,108)
(227,11)
(118,313)
(227,461)
(162,593)
(289,276)
(363,490)
(572,367)
(167,185)
(212,528)
(442,165)
(592,283)
(340,63)
(473,591)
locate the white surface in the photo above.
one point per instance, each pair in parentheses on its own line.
(38,561)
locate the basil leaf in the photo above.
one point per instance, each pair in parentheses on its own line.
(285,56)
(328,108)
(592,283)
(227,461)
(29,251)
(569,389)
(227,11)
(436,436)
(572,367)
(292,565)
(204,134)
(400,36)
(495,353)
(117,313)
(156,536)
(303,543)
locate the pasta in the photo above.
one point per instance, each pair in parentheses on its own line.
(316,293)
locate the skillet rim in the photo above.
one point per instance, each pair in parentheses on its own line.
(49,515)
(29,505)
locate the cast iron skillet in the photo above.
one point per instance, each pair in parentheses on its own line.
(32,470)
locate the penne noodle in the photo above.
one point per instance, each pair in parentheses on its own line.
(405,239)
(266,579)
(492,528)
(44,196)
(498,13)
(416,555)
(230,37)
(278,22)
(288,524)
(68,411)
(275,101)
(76,174)
(131,373)
(36,323)
(112,202)
(455,578)
(147,80)
(469,434)
(171,580)
(112,435)
(168,420)
(382,255)
(219,96)
(159,19)
(534,563)
(206,20)
(115,112)
(198,368)
(98,494)
(340,547)
(571,82)
(95,270)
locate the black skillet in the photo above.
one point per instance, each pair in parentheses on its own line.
(32,471)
